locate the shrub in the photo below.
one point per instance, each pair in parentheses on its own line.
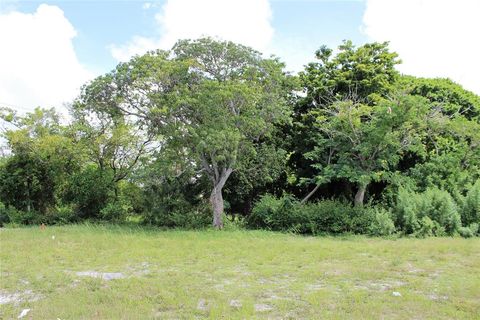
(115,211)
(471,205)
(465,232)
(435,204)
(22,217)
(197,218)
(428,228)
(4,219)
(441,208)
(474,227)
(406,209)
(179,214)
(262,211)
(327,216)
(382,224)
(90,190)
(425,228)
(234,223)
(61,214)
(282,214)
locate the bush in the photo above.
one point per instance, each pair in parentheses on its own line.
(382,224)
(428,228)
(90,190)
(282,214)
(61,214)
(234,223)
(22,217)
(441,208)
(333,216)
(327,216)
(435,204)
(4,219)
(471,205)
(179,214)
(474,227)
(465,232)
(406,211)
(116,211)
(262,212)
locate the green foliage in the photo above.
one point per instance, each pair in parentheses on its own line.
(19,217)
(281,214)
(432,212)
(364,143)
(62,214)
(4,218)
(470,231)
(474,227)
(471,205)
(27,182)
(179,215)
(382,224)
(425,227)
(328,216)
(115,211)
(445,94)
(367,71)
(90,190)
(167,134)
(441,208)
(332,216)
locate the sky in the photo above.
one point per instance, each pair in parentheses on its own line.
(49,49)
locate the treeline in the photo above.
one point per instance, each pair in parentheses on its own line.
(214,131)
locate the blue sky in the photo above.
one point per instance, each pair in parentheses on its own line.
(100,24)
(53,47)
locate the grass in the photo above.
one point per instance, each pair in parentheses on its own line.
(234,275)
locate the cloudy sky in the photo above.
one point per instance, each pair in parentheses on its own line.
(50,48)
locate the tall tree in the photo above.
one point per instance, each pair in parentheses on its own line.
(43,157)
(363,143)
(211,100)
(363,75)
(237,101)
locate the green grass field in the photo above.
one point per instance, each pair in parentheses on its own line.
(95,272)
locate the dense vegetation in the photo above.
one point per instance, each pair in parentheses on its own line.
(213,130)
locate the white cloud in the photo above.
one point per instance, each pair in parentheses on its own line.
(38,63)
(242,21)
(434,38)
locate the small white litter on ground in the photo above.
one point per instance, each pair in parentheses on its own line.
(396,294)
(23,313)
(102,275)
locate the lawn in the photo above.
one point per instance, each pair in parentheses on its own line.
(95,272)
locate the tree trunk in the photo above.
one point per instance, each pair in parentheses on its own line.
(310,194)
(216,197)
(360,195)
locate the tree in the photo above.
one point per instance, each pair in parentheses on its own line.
(237,101)
(43,158)
(451,138)
(112,140)
(209,100)
(363,143)
(367,72)
(365,76)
